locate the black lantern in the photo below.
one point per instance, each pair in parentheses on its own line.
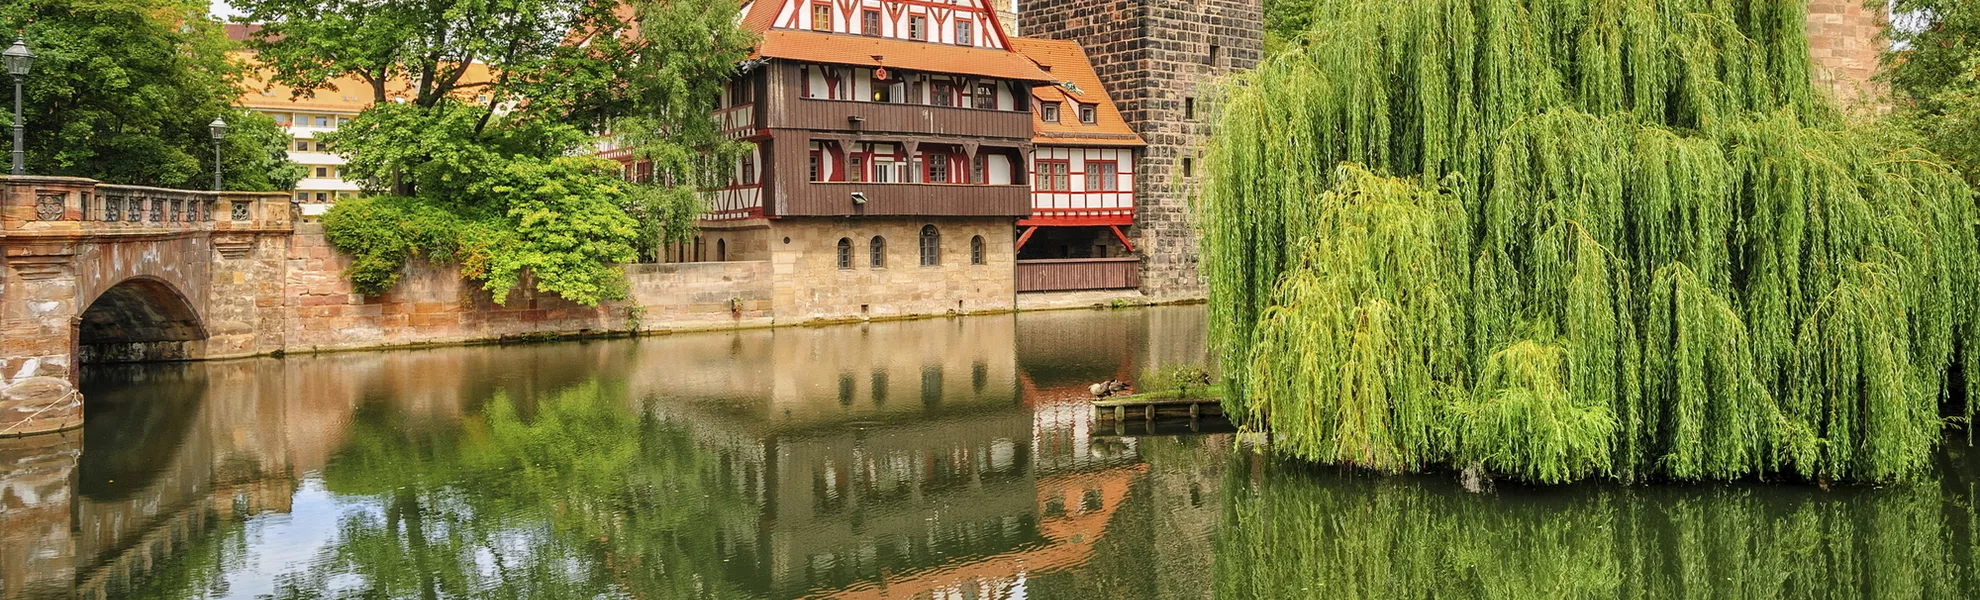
(219,128)
(19,60)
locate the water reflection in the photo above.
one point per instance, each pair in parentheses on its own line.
(946,458)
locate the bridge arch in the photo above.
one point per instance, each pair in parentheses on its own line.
(140,318)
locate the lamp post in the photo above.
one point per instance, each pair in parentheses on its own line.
(19,60)
(219,127)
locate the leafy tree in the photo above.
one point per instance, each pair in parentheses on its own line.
(1933,67)
(478,109)
(122,91)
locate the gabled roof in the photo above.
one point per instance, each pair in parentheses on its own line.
(1066,62)
(859,50)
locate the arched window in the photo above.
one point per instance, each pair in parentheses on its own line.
(976,250)
(721,249)
(931,246)
(845,253)
(877,252)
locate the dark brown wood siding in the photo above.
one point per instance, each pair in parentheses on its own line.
(1067,274)
(793,194)
(911,119)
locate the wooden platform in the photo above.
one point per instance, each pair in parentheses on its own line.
(1150,409)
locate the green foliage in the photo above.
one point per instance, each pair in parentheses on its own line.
(560,226)
(494,153)
(1179,380)
(122,91)
(1570,238)
(1933,68)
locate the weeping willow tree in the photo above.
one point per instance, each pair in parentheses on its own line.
(1560,239)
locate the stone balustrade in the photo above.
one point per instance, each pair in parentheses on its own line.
(63,207)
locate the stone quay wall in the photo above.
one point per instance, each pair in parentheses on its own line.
(433,305)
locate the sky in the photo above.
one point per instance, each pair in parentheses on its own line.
(222,10)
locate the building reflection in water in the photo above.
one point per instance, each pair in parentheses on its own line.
(937,458)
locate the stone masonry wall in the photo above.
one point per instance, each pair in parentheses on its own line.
(432,304)
(1155,56)
(1843,40)
(810,285)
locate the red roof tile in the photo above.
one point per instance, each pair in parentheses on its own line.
(1068,63)
(843,49)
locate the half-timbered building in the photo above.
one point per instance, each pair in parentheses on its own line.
(899,149)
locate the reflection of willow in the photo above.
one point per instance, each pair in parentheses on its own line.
(1295,535)
(586,497)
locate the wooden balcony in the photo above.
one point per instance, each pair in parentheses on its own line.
(798,197)
(893,118)
(1071,274)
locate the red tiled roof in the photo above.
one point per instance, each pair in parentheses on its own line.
(1068,63)
(843,49)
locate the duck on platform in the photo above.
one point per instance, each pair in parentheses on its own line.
(1107,388)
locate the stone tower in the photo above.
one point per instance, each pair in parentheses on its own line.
(1159,59)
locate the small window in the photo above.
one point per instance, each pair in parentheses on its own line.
(302,145)
(876,252)
(943,94)
(976,250)
(846,253)
(721,249)
(1088,114)
(322,172)
(322,121)
(821,17)
(302,196)
(855,168)
(1189,167)
(1214,51)
(977,169)
(281,118)
(323,196)
(869,22)
(749,168)
(918,28)
(1054,176)
(964,35)
(1049,111)
(1189,109)
(931,246)
(986,96)
(938,167)
(1100,176)
(812,165)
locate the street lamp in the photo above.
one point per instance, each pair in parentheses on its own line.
(19,60)
(219,127)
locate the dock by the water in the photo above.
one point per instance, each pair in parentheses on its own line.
(1150,409)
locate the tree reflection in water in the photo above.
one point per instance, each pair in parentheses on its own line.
(585,499)
(1292,533)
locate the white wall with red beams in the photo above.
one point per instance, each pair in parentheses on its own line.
(940,17)
(1076,204)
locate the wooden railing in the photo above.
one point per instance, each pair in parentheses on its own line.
(1069,274)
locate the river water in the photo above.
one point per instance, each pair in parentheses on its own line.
(947,458)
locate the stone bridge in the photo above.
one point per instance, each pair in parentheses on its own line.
(91,272)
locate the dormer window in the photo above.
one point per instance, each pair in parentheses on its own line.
(1088,114)
(1049,111)
(821,17)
